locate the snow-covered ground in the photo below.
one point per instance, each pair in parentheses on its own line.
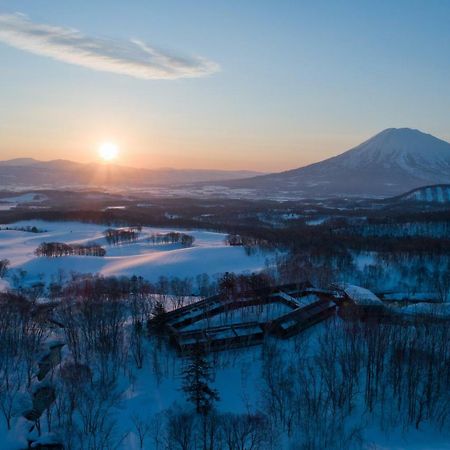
(209,253)
(7,203)
(428,309)
(238,379)
(314,222)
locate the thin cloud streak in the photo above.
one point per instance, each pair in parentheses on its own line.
(133,58)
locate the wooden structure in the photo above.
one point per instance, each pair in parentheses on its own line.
(220,323)
(302,318)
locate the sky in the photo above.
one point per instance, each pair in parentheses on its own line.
(264,85)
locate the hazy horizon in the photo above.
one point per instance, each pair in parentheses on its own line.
(117,161)
(216,85)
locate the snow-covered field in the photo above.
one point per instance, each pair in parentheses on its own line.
(209,253)
(7,203)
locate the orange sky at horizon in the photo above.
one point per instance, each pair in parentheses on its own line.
(218,85)
(227,154)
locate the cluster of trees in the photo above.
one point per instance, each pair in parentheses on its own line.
(407,273)
(105,335)
(180,429)
(186,240)
(205,428)
(116,236)
(58,249)
(249,242)
(230,285)
(395,271)
(234,240)
(22,333)
(358,374)
(28,229)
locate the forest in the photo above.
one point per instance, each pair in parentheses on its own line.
(82,355)
(318,390)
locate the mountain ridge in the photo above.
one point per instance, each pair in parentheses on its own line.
(61,172)
(392,162)
(389,163)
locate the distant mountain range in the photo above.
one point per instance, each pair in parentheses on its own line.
(68,174)
(390,163)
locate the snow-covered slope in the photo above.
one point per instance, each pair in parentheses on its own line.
(429,194)
(416,153)
(7,203)
(389,163)
(208,255)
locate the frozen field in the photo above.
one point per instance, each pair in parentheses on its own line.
(209,253)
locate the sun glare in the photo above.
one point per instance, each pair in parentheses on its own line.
(108,151)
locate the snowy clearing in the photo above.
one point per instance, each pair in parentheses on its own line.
(209,253)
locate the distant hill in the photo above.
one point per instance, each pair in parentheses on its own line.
(389,163)
(393,162)
(62,173)
(439,193)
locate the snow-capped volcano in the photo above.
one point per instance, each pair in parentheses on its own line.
(390,163)
(404,148)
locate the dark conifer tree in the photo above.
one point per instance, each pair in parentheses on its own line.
(157,321)
(196,378)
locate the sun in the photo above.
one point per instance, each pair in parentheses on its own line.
(108,151)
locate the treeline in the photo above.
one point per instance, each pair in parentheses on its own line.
(28,229)
(231,285)
(407,229)
(116,236)
(328,238)
(58,249)
(174,292)
(186,240)
(98,287)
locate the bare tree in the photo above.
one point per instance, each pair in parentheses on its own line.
(142,428)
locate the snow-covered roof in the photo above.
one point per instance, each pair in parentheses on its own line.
(360,295)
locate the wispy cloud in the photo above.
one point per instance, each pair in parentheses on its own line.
(134,58)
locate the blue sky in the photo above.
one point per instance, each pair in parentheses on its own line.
(293,81)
